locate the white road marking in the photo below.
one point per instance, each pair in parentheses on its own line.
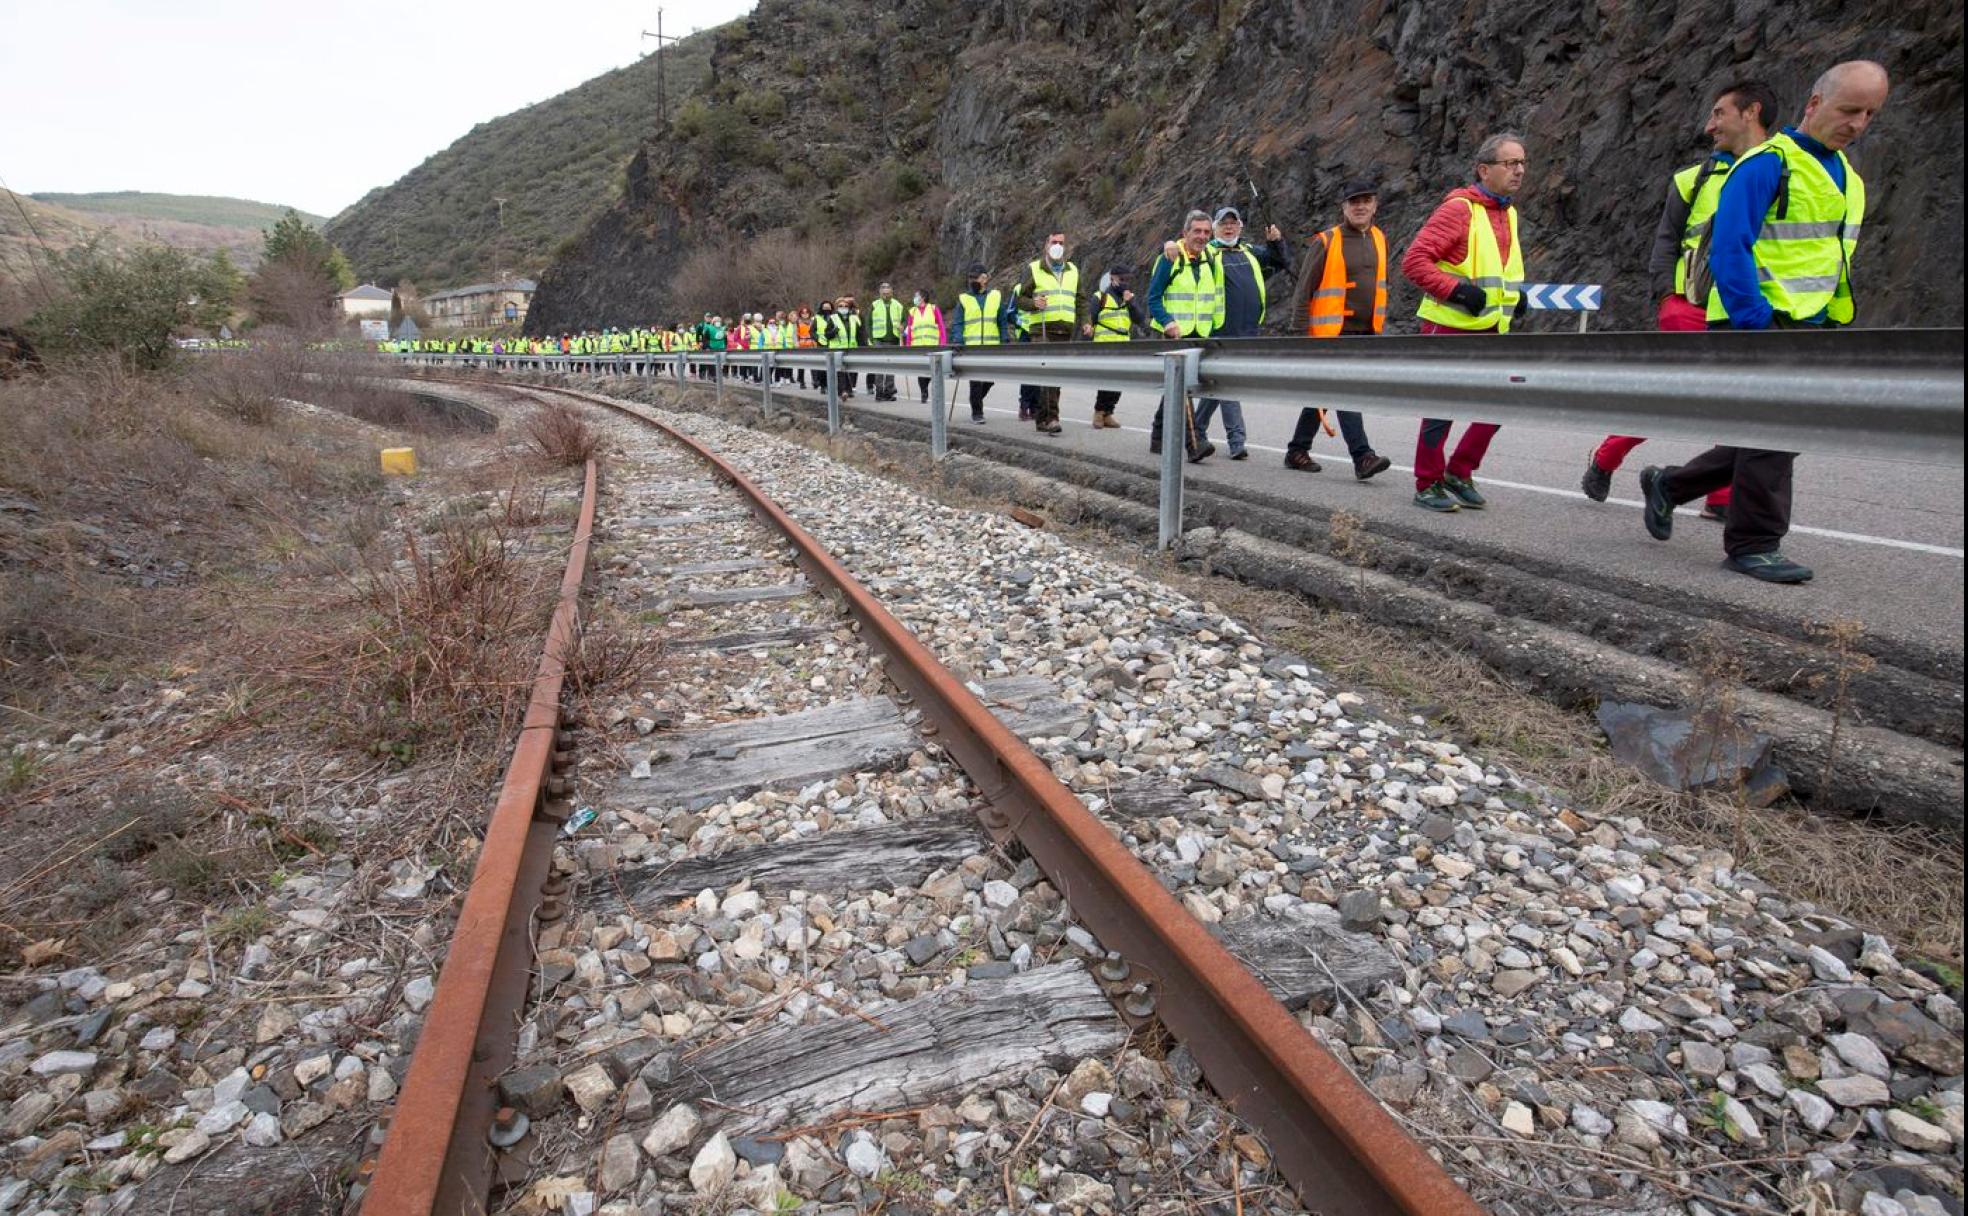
(1912,546)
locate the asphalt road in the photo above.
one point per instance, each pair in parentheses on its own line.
(1885,539)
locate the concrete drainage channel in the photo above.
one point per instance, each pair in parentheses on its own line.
(1898,745)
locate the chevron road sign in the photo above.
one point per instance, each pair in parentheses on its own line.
(1562,297)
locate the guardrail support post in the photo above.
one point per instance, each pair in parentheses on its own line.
(765,385)
(939,406)
(717,373)
(833,392)
(1178,377)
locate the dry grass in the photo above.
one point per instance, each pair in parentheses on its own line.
(611,653)
(445,644)
(560,437)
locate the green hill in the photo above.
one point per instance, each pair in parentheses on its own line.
(556,164)
(204,209)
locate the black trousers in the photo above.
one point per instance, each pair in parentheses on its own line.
(1105,400)
(1759,494)
(1188,439)
(922,387)
(881,385)
(1350,427)
(979,389)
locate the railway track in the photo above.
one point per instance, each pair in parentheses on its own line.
(835,920)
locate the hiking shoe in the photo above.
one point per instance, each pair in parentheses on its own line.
(1769,568)
(1370,465)
(1240,454)
(1198,455)
(1052,428)
(977,420)
(1597,482)
(1437,498)
(1302,461)
(1717,511)
(1465,491)
(1656,510)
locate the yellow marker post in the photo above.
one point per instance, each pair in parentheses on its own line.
(400,461)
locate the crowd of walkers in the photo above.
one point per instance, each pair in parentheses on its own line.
(1759,234)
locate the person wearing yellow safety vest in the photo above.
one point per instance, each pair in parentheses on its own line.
(1055,309)
(924,327)
(1677,268)
(847,336)
(1245,266)
(1780,252)
(985,316)
(1185,300)
(1343,292)
(1469,263)
(884,329)
(825,337)
(1115,311)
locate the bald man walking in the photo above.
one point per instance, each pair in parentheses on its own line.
(1785,232)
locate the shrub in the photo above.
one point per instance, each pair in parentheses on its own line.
(561,437)
(127,303)
(1121,123)
(908,182)
(834,167)
(767,105)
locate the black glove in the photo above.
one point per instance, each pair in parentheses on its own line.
(1469,298)
(1523,306)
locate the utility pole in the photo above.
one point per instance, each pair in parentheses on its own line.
(662,99)
(499,248)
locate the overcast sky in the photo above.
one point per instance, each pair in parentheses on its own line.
(307,106)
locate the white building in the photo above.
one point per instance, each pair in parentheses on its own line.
(367,300)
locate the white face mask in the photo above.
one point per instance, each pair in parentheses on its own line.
(916,299)
(1056,251)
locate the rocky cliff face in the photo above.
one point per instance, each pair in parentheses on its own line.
(904,139)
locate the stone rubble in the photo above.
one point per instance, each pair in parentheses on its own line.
(1579,992)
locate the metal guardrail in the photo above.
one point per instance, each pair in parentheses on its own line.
(1893,395)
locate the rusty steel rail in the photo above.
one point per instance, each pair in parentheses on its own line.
(1329,1135)
(436,1157)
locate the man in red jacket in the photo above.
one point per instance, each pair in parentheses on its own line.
(1469,264)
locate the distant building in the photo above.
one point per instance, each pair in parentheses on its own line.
(367,300)
(480,305)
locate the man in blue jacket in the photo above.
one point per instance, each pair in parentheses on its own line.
(1781,246)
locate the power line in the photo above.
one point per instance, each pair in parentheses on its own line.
(46,255)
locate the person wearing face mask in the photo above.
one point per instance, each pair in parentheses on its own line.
(847,336)
(1116,312)
(1245,267)
(1469,263)
(825,336)
(1050,296)
(884,329)
(924,328)
(984,316)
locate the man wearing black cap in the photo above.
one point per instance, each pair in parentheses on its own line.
(983,315)
(1342,292)
(1244,269)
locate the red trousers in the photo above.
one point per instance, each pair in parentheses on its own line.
(1434,437)
(1676,315)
